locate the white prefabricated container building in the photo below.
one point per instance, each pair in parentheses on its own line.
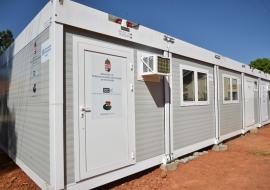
(88,98)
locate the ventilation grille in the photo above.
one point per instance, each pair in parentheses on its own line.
(148,65)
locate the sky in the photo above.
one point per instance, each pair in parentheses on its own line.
(239,29)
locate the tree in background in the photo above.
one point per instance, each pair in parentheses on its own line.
(262,64)
(6,38)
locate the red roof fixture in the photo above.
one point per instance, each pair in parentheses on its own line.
(118,21)
(123,23)
(129,24)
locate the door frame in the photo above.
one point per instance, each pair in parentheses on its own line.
(265,85)
(247,80)
(79,44)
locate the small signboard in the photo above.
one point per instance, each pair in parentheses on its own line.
(45,51)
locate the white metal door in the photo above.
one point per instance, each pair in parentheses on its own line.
(249,103)
(106,135)
(264,103)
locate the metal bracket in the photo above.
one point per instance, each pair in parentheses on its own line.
(172,156)
(216,141)
(166,159)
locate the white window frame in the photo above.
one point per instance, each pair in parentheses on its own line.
(231,101)
(196,102)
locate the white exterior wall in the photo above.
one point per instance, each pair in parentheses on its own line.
(28,131)
(46,174)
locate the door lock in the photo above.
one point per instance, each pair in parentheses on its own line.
(85,109)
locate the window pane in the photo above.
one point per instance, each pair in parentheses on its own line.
(188,85)
(234,89)
(202,86)
(227,89)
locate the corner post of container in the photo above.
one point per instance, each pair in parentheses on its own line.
(167,110)
(259,103)
(217,107)
(56,102)
(171,110)
(243,101)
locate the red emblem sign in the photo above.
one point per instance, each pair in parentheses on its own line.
(107,106)
(108,65)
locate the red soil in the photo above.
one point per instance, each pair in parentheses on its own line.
(12,177)
(244,166)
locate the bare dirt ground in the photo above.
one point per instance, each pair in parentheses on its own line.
(12,177)
(244,166)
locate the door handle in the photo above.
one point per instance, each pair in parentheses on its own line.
(85,109)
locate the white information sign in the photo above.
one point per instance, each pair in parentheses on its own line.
(107,87)
(45,51)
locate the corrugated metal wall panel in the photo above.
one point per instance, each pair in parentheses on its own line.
(230,114)
(26,130)
(149,118)
(68,111)
(191,124)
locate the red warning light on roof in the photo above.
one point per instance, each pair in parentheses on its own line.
(127,24)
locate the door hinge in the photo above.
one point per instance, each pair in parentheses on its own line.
(131,66)
(131,87)
(132,156)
